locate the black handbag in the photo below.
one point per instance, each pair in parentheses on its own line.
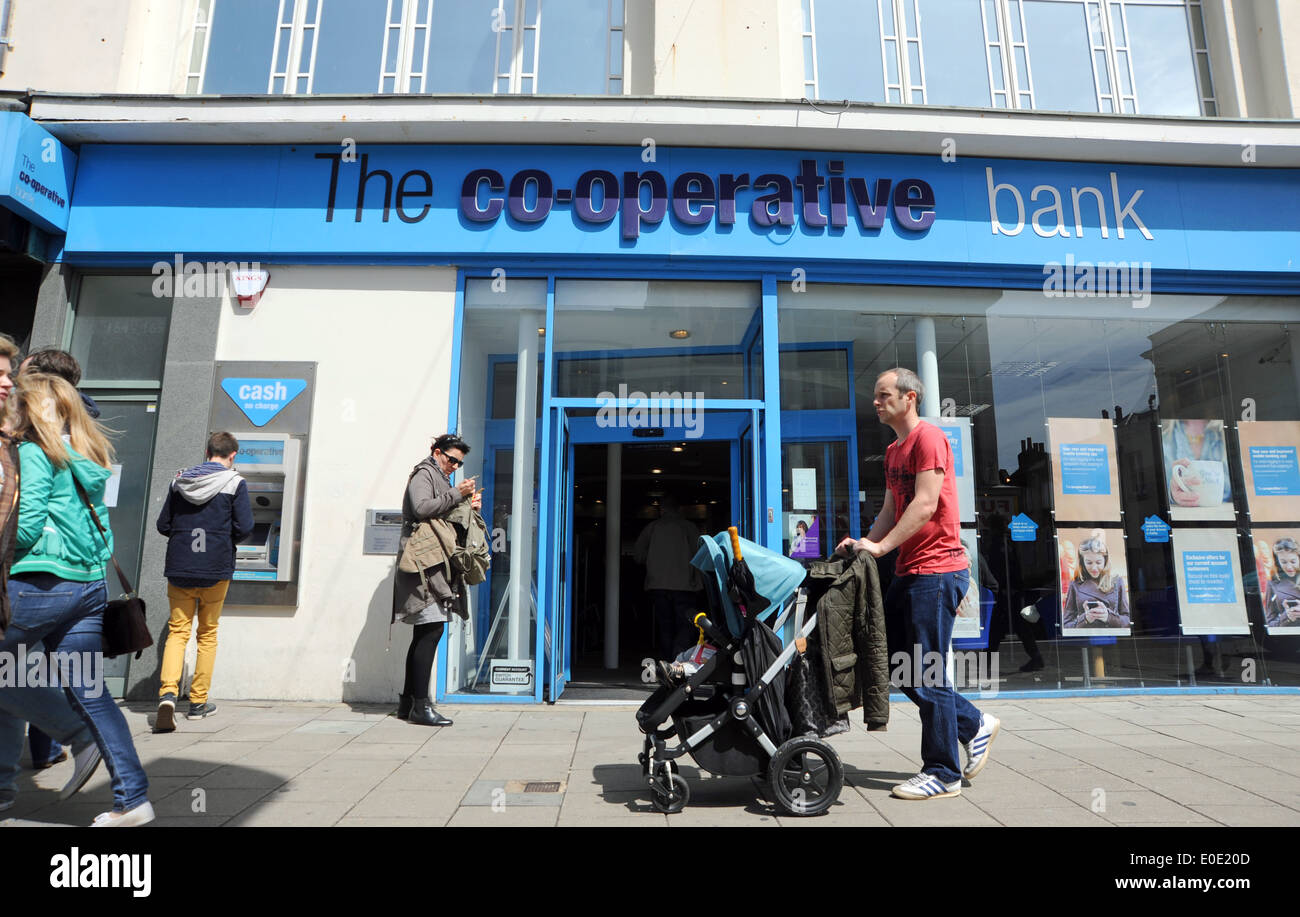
(125,628)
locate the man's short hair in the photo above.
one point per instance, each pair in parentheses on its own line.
(450,441)
(56,363)
(9,348)
(221,445)
(907,381)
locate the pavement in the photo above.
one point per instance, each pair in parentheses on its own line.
(1140,760)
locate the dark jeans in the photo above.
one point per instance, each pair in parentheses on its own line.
(920,609)
(44,749)
(673,610)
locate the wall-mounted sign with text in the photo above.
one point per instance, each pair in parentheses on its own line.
(1085,477)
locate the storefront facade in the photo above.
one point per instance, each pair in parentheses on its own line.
(710,322)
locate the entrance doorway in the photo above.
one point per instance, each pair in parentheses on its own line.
(699,476)
(612,484)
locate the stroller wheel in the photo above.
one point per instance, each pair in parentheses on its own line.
(805,776)
(671,795)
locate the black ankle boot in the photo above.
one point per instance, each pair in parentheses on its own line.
(423,714)
(403,706)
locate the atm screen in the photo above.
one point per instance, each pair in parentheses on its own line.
(261,535)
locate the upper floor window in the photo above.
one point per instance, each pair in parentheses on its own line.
(1110,56)
(407,46)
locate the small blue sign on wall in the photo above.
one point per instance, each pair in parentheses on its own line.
(1023,528)
(954,440)
(1155,530)
(1209,579)
(261,399)
(1084,469)
(1275,470)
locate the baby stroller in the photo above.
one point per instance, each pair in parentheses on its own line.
(727,712)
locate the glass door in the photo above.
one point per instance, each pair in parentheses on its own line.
(558,651)
(818,499)
(133,419)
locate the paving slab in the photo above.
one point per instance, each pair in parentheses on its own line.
(1196,761)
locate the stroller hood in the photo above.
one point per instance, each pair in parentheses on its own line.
(776,577)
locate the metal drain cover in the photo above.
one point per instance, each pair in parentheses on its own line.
(542,787)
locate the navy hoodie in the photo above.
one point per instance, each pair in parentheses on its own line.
(212,498)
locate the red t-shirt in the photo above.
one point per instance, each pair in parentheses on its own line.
(937,547)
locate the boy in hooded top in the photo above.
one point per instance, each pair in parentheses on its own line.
(206,514)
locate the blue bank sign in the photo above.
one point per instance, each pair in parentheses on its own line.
(477,202)
(261,399)
(36,172)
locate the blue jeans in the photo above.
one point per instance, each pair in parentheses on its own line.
(920,609)
(68,617)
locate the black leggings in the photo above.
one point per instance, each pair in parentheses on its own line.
(420,657)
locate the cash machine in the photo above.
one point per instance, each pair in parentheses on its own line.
(268,463)
(267,407)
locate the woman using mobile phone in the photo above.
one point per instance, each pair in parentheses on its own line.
(1096,597)
(1282,609)
(429,495)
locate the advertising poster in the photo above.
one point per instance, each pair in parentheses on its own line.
(1271,469)
(1207,568)
(1094,583)
(805,536)
(957,429)
(1277,563)
(1085,478)
(968,612)
(1197,483)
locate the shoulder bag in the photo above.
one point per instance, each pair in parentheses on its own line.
(125,628)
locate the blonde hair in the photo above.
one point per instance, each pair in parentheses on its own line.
(1095,543)
(34,395)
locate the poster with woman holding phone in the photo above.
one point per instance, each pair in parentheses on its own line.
(1277,562)
(1094,587)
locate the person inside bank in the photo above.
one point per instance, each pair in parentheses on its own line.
(666,547)
(1097,597)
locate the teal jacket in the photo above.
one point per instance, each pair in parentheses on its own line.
(55,532)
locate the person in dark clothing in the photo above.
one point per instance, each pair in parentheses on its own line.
(61,363)
(206,514)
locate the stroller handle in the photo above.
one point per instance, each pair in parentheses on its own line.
(711,631)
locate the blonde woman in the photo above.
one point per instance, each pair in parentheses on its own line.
(56,584)
(1097,597)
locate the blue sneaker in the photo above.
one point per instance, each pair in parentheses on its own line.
(977,750)
(926,786)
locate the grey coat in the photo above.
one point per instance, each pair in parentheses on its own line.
(429,495)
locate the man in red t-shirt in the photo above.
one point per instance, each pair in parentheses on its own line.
(920,520)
